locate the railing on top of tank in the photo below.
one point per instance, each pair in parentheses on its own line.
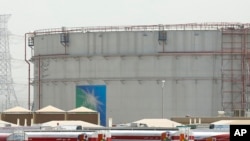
(188,26)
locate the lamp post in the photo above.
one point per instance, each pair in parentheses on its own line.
(162,98)
(246,93)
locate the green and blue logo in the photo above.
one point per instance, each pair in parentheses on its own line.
(92,97)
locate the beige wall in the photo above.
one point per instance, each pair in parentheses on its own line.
(90,117)
(45,117)
(12,118)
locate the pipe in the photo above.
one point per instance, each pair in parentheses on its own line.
(25,58)
(39,82)
(229,52)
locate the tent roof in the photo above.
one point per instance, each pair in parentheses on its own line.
(69,122)
(50,109)
(231,122)
(4,123)
(158,123)
(17,109)
(81,109)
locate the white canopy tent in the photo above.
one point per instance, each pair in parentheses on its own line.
(17,109)
(81,110)
(166,123)
(7,124)
(49,109)
(68,124)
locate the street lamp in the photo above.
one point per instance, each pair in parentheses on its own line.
(162,102)
(246,93)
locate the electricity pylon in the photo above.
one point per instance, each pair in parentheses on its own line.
(6,81)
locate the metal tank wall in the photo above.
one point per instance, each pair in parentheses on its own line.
(131,67)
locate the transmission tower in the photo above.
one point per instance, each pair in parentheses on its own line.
(6,81)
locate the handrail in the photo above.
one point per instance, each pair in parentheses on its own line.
(188,26)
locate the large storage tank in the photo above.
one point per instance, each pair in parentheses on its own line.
(133,72)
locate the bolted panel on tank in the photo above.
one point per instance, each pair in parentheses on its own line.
(192,40)
(48,45)
(122,43)
(136,73)
(98,43)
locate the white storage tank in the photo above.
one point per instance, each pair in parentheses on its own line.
(119,71)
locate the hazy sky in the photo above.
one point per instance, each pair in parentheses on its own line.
(30,15)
